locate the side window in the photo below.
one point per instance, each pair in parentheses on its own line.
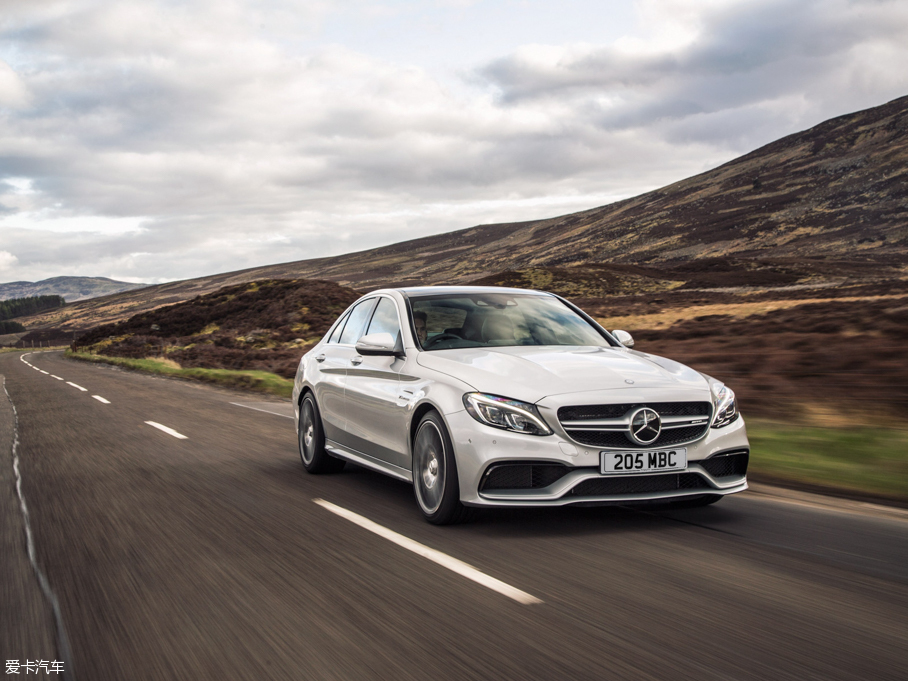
(335,335)
(385,318)
(356,321)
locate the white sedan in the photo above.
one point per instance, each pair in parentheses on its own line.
(485,396)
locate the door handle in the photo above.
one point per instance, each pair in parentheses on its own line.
(320,358)
(356,360)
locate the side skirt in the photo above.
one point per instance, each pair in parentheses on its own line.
(366,461)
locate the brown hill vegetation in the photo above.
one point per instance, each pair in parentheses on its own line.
(264,325)
(827,355)
(834,359)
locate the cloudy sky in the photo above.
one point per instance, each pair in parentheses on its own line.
(154,140)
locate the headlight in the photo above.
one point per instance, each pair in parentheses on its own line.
(500,412)
(726,408)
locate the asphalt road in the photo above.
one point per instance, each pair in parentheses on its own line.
(207,558)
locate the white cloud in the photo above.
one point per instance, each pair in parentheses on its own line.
(13,93)
(7,262)
(163,139)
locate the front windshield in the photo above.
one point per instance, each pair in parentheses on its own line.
(466,320)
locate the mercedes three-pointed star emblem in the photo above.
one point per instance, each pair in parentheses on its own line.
(645,426)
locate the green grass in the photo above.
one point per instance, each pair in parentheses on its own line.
(860,460)
(44,349)
(259,381)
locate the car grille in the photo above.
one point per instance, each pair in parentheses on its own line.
(639,484)
(521,476)
(732,464)
(617,435)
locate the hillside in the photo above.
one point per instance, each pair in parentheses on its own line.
(264,325)
(836,191)
(792,354)
(827,206)
(72,289)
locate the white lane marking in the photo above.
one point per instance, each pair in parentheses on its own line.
(443,559)
(267,411)
(169,431)
(57,377)
(101,399)
(44,372)
(79,387)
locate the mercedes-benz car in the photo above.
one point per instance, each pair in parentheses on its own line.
(487,396)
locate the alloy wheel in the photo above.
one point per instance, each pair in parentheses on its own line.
(307,433)
(429,468)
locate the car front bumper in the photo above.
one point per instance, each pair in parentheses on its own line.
(478,447)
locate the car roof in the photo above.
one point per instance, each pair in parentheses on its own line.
(417,291)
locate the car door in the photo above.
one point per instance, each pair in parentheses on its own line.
(376,413)
(332,363)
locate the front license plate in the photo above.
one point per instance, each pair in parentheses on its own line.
(643,462)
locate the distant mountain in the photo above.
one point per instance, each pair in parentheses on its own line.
(71,288)
(823,206)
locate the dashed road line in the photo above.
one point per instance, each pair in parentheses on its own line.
(57,377)
(169,431)
(101,399)
(79,387)
(443,559)
(46,373)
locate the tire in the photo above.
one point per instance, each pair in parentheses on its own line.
(435,481)
(311,439)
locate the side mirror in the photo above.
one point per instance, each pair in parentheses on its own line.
(624,338)
(378,344)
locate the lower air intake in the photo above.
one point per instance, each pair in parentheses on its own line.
(639,484)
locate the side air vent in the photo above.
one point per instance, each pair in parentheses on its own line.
(726,464)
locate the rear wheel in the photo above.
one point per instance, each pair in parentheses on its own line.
(435,481)
(312,440)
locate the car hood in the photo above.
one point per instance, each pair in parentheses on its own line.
(530,373)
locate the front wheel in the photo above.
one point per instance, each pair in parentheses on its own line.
(312,440)
(435,480)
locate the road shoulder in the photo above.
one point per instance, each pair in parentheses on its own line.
(27,629)
(825,502)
